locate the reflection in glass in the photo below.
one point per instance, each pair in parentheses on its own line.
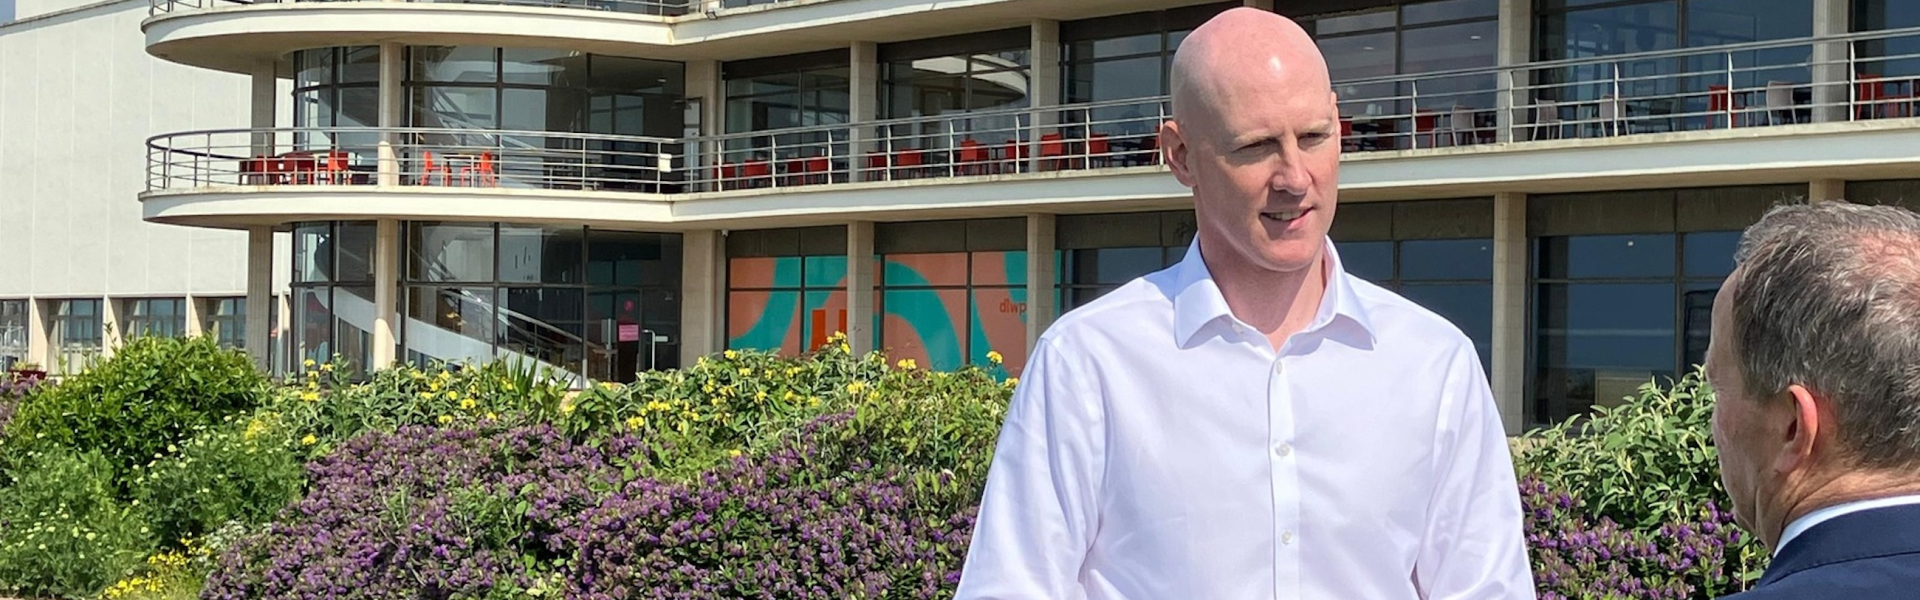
(1710,253)
(545,325)
(1360,56)
(450,252)
(1372,261)
(1448,10)
(461,64)
(1466,259)
(534,254)
(1596,342)
(1114,265)
(353,311)
(1379,19)
(312,252)
(1603,256)
(354,248)
(449,324)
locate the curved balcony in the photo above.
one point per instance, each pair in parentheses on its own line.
(240,177)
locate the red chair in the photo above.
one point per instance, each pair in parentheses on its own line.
(910,162)
(1098,149)
(428,168)
(972,158)
(335,168)
(819,170)
(758,173)
(1720,101)
(1053,151)
(1424,124)
(1014,156)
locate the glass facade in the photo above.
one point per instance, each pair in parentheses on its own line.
(1436,253)
(14,320)
(332,293)
(1623,286)
(1104,251)
(227,321)
(159,317)
(1112,59)
(77,334)
(599,304)
(788,92)
(1695,85)
(1412,38)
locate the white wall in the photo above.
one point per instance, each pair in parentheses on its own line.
(79,98)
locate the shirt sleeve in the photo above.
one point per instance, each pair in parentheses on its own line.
(1475,545)
(1039,512)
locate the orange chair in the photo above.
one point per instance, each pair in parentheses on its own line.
(1720,101)
(818,169)
(1098,149)
(972,158)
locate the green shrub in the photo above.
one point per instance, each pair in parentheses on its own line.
(63,532)
(1646,461)
(153,392)
(324,409)
(1648,465)
(243,470)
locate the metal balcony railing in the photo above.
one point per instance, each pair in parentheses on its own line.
(1853,77)
(662,8)
(413,157)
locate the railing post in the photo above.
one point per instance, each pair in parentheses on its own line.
(1414,97)
(1727,106)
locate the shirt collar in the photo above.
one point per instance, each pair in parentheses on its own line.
(1809,520)
(1197,300)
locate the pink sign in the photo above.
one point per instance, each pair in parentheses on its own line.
(629,333)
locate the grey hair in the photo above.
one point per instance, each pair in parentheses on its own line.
(1828,297)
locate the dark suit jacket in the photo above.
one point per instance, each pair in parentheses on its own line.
(1868,555)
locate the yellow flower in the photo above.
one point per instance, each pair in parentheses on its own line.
(731,354)
(467,404)
(790,396)
(310,396)
(746,371)
(433,385)
(307,362)
(760,396)
(734,452)
(1013,381)
(327,367)
(446,419)
(566,406)
(309,440)
(813,401)
(726,390)
(907,363)
(605,384)
(856,386)
(994,357)
(636,422)
(491,416)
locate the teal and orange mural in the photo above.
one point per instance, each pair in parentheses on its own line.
(940,310)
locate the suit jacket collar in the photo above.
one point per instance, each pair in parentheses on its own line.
(1865,534)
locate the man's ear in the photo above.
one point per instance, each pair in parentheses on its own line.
(1174,150)
(1806,422)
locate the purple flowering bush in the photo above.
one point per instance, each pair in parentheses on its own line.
(1625,504)
(477,513)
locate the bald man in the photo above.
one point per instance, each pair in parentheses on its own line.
(1252,423)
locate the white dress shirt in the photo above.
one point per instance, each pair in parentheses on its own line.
(1158,448)
(1807,521)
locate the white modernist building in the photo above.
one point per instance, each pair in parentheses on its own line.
(611,186)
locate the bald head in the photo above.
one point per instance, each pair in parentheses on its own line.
(1237,45)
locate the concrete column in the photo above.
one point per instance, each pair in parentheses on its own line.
(259,295)
(1040,276)
(386,292)
(1043,89)
(196,316)
(703,295)
(860,315)
(39,334)
(1832,69)
(1509,367)
(1515,49)
(1266,5)
(1822,190)
(393,112)
(265,95)
(863,104)
(706,89)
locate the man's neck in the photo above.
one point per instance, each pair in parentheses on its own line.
(1838,490)
(1277,303)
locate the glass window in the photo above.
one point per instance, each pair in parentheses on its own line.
(531,254)
(77,332)
(1468,306)
(450,252)
(1114,266)
(984,79)
(355,240)
(461,64)
(1449,10)
(1639,27)
(1372,261)
(1469,45)
(1606,256)
(313,252)
(14,319)
(227,322)
(160,317)
(1360,56)
(1338,24)
(1446,260)
(1710,253)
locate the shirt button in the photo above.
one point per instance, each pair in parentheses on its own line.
(1278,368)
(1286,537)
(1283,450)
